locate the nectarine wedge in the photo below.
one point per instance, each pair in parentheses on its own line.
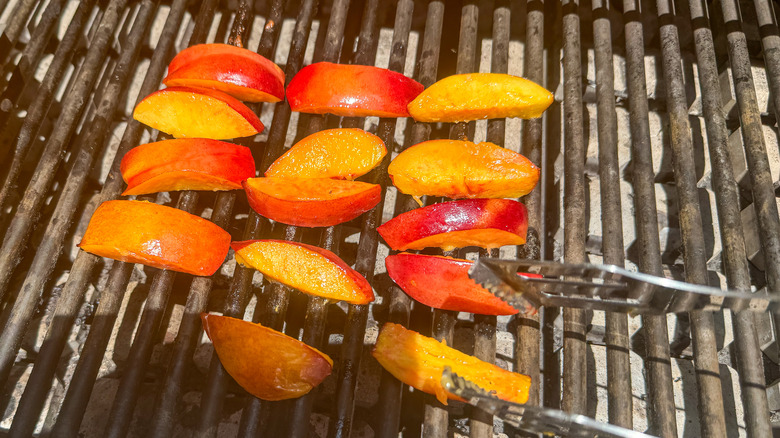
(488,223)
(309,269)
(351,91)
(186,164)
(197,112)
(462,169)
(419,361)
(333,153)
(268,364)
(443,283)
(157,236)
(311,202)
(236,71)
(475,96)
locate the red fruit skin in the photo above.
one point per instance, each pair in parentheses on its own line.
(351,91)
(194,53)
(358,279)
(312,212)
(245,76)
(504,215)
(443,283)
(186,164)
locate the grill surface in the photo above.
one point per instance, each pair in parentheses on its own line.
(660,154)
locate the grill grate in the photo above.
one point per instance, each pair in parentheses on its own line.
(621,73)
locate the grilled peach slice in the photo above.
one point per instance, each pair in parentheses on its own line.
(157,236)
(186,164)
(236,71)
(462,169)
(443,283)
(309,269)
(333,153)
(351,91)
(268,364)
(197,112)
(475,96)
(311,202)
(419,361)
(488,223)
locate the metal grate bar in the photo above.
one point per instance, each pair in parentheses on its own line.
(710,395)
(19,17)
(749,360)
(764,200)
(575,206)
(24,69)
(527,349)
(42,179)
(240,287)
(660,404)
(399,302)
(188,333)
(770,42)
(54,238)
(84,376)
(485,325)
(73,292)
(616,337)
(36,113)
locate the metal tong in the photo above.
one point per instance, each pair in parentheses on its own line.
(535,419)
(606,287)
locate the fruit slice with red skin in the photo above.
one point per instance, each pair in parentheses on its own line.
(197,112)
(487,223)
(311,202)
(186,164)
(157,236)
(462,169)
(334,153)
(266,363)
(351,91)
(475,96)
(309,269)
(239,72)
(443,283)
(419,361)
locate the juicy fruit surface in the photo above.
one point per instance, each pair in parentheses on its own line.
(419,361)
(157,236)
(197,112)
(362,91)
(443,283)
(309,269)
(333,153)
(462,169)
(186,164)
(194,53)
(311,202)
(475,96)
(487,223)
(239,72)
(266,363)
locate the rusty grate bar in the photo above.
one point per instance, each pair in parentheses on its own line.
(54,238)
(616,337)
(749,360)
(712,419)
(80,388)
(662,419)
(527,339)
(72,295)
(574,205)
